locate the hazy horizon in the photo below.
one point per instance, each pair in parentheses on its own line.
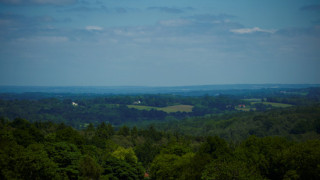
(191,85)
(159,43)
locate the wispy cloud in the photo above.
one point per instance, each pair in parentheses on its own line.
(200,24)
(211,18)
(13,26)
(46,39)
(86,9)
(20,21)
(251,30)
(292,32)
(170,9)
(174,22)
(100,8)
(94,28)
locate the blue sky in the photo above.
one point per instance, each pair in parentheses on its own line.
(158,42)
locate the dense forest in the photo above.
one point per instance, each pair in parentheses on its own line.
(111,109)
(294,123)
(78,110)
(252,134)
(56,151)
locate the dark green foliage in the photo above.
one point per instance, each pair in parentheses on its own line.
(67,157)
(110,109)
(134,132)
(99,137)
(302,160)
(26,133)
(124,131)
(171,166)
(212,146)
(255,158)
(10,152)
(146,152)
(216,147)
(89,168)
(262,107)
(294,123)
(119,169)
(34,163)
(232,169)
(69,135)
(263,153)
(317,125)
(64,154)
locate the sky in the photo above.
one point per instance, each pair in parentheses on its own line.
(159,42)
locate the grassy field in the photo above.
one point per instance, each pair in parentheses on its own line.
(245,109)
(253,100)
(168,109)
(281,105)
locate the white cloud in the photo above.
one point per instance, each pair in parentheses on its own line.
(47,39)
(174,22)
(94,28)
(251,30)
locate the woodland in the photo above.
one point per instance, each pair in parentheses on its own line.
(255,134)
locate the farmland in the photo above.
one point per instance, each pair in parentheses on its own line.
(273,104)
(168,109)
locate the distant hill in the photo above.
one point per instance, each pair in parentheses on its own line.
(196,90)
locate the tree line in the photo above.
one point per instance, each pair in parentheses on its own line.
(45,150)
(111,109)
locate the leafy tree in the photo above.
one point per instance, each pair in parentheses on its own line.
(212,149)
(115,168)
(124,131)
(163,167)
(104,131)
(183,166)
(264,154)
(146,152)
(34,163)
(67,157)
(9,154)
(26,133)
(89,132)
(134,132)
(229,170)
(216,147)
(172,166)
(127,155)
(301,161)
(89,168)
(70,135)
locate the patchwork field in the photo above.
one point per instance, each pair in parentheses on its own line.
(255,101)
(281,105)
(168,109)
(245,109)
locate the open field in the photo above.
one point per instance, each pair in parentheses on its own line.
(280,105)
(253,100)
(168,109)
(245,109)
